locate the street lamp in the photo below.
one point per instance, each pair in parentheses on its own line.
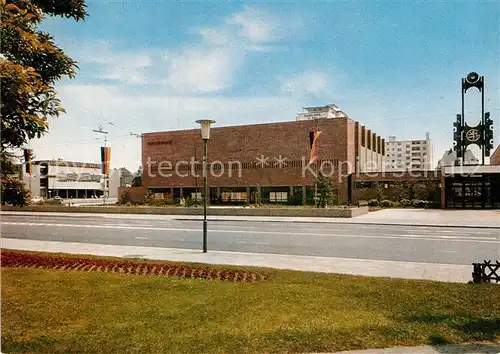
(205,135)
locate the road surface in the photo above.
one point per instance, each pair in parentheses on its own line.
(359,241)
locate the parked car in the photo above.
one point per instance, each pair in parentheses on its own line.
(36,200)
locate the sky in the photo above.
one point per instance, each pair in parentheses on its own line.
(155,65)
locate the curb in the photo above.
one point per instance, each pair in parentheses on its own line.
(351,223)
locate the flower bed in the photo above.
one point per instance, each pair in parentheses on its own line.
(28,260)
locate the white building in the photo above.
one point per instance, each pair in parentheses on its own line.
(401,155)
(67,179)
(321,112)
(450,159)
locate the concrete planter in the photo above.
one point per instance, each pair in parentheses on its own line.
(284,212)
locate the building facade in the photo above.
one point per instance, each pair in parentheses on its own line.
(66,179)
(414,155)
(321,112)
(495,156)
(450,159)
(270,162)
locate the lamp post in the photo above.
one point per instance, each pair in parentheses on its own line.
(105,187)
(205,135)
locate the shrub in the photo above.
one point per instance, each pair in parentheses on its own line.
(13,191)
(373,203)
(386,203)
(362,203)
(405,203)
(190,202)
(157,202)
(416,203)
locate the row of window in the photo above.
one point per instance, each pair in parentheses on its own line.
(217,166)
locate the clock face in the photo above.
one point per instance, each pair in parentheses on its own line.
(472,77)
(473,135)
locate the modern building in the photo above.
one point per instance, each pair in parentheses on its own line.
(450,159)
(413,155)
(67,179)
(268,162)
(321,112)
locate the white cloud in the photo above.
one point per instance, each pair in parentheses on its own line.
(199,71)
(256,25)
(71,137)
(306,83)
(207,67)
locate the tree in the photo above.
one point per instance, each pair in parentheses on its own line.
(30,64)
(13,191)
(325,191)
(137,181)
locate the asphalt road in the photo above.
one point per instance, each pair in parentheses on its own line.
(360,241)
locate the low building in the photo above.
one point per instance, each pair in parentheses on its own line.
(67,179)
(266,162)
(450,159)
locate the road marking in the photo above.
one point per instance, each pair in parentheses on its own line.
(403,237)
(140,237)
(447,251)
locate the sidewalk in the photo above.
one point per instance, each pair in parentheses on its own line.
(392,269)
(482,348)
(399,217)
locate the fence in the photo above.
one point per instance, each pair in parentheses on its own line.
(486,272)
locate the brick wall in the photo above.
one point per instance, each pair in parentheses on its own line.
(132,194)
(495,157)
(336,145)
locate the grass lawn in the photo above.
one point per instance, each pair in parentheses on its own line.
(56,311)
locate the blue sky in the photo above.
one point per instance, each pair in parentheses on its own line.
(158,65)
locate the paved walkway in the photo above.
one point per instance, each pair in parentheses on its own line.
(393,269)
(405,217)
(483,348)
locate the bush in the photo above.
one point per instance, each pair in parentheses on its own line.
(295,199)
(386,203)
(13,191)
(157,202)
(373,203)
(190,202)
(416,203)
(362,203)
(405,203)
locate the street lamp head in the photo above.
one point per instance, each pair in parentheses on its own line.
(205,127)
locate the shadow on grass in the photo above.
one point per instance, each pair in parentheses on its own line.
(476,329)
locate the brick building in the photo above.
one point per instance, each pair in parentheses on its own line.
(269,162)
(495,156)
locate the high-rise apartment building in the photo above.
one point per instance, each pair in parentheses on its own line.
(401,155)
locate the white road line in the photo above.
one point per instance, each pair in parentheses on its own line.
(447,251)
(140,237)
(403,237)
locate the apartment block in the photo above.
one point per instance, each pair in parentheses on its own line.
(402,155)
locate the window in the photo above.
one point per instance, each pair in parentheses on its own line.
(195,196)
(278,196)
(399,149)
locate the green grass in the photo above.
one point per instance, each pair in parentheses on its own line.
(61,312)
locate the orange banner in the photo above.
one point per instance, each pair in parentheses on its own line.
(313,156)
(105,159)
